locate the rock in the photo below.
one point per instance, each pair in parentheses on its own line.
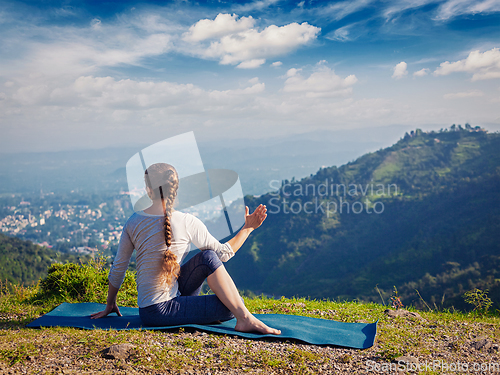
(402,313)
(482,344)
(119,351)
(455,345)
(405,359)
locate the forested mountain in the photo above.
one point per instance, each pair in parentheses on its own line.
(423,214)
(24,262)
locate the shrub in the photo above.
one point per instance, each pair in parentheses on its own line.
(479,299)
(83,283)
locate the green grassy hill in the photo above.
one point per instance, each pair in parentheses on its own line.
(24,262)
(437,228)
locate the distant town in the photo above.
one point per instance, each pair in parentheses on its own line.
(76,222)
(68,227)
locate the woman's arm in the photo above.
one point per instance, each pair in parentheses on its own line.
(252,222)
(111,305)
(117,274)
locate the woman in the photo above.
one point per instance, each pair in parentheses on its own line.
(168,293)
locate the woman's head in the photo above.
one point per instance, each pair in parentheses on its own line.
(161,180)
(162,183)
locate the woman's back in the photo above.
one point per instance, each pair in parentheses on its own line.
(145,233)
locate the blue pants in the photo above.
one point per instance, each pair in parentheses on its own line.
(189,307)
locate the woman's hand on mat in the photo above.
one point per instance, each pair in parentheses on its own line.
(256,219)
(108,310)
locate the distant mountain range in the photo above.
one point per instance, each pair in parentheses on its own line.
(257,161)
(423,214)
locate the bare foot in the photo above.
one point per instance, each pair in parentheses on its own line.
(252,324)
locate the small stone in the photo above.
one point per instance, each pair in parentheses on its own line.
(455,345)
(118,351)
(406,359)
(402,313)
(482,344)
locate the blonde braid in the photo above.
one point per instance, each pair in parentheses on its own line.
(168,193)
(171,268)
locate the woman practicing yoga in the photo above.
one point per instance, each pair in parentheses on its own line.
(167,292)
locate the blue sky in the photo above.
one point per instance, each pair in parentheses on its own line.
(90,74)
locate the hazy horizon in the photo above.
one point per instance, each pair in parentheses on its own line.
(258,162)
(390,134)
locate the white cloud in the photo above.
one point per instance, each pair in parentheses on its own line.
(258,5)
(454,8)
(232,96)
(75,51)
(276,64)
(342,9)
(482,65)
(395,8)
(251,64)
(32,94)
(400,70)
(223,24)
(66,52)
(460,95)
(446,10)
(253,44)
(341,34)
(107,92)
(158,22)
(291,72)
(421,72)
(322,83)
(95,23)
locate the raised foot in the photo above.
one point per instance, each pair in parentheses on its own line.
(255,325)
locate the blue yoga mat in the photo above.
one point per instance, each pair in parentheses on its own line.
(310,330)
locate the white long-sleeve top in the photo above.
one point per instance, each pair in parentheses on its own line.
(145,233)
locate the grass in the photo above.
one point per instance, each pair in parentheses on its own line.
(439,331)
